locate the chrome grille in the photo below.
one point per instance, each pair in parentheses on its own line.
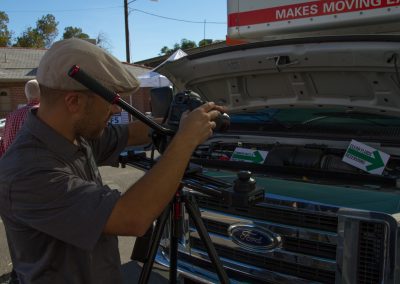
(356,253)
(309,247)
(288,243)
(371,252)
(310,273)
(307,251)
(288,217)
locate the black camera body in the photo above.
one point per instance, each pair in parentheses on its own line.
(188,101)
(185,101)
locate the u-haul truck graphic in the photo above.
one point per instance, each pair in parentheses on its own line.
(268,19)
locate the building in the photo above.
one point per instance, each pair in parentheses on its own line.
(19,65)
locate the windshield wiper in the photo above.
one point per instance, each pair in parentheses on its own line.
(265,118)
(352,115)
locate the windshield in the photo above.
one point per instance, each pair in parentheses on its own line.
(306,116)
(333,121)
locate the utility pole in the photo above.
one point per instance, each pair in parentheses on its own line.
(128,55)
(127,42)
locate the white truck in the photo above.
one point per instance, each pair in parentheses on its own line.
(314,100)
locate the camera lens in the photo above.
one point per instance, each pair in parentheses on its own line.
(222,122)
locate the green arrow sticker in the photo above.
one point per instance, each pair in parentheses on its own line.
(365,157)
(249,155)
(375,161)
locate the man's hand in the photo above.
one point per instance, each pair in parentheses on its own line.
(197,126)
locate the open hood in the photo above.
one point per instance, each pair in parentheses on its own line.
(358,72)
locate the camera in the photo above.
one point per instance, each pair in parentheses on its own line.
(181,102)
(188,101)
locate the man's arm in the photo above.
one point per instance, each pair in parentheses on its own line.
(139,133)
(144,201)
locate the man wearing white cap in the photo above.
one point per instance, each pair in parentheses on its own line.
(62,222)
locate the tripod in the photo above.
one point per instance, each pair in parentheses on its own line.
(174,209)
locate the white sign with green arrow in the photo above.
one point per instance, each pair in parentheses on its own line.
(365,158)
(249,155)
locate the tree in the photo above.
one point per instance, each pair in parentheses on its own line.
(30,38)
(47,28)
(5,34)
(185,44)
(103,41)
(165,50)
(41,36)
(70,32)
(205,42)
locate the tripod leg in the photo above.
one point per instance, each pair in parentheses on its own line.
(175,235)
(194,213)
(146,270)
(173,264)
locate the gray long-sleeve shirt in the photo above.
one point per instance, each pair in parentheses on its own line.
(54,205)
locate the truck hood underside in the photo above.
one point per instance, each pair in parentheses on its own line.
(359,72)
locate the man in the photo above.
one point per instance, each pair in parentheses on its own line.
(15,119)
(61,220)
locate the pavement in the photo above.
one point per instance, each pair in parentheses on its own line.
(116,178)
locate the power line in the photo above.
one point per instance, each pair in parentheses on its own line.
(178,20)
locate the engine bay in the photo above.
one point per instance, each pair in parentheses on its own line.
(317,163)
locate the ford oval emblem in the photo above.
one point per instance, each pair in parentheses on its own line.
(254,238)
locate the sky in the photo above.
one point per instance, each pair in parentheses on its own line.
(152,24)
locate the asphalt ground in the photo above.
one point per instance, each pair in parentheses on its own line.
(116,178)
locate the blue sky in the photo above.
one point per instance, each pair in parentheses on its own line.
(149,27)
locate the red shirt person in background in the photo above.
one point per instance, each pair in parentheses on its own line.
(16,119)
(14,122)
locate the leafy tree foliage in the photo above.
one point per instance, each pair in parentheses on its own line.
(44,34)
(47,27)
(30,38)
(205,42)
(5,34)
(165,50)
(70,32)
(41,36)
(186,44)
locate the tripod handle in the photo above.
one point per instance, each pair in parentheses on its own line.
(89,82)
(112,97)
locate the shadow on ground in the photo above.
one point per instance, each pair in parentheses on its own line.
(130,273)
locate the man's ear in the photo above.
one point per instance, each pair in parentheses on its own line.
(74,102)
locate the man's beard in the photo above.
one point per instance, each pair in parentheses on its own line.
(89,127)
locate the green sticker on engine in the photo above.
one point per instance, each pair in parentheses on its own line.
(249,155)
